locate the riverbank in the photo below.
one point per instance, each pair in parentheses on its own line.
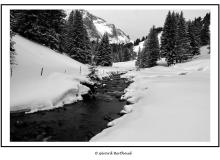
(73,122)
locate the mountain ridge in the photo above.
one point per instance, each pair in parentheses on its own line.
(96,27)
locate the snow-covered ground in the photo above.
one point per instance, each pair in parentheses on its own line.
(58,85)
(169,104)
(119,67)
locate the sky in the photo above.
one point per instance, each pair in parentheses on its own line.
(137,23)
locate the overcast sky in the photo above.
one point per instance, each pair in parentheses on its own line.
(136,23)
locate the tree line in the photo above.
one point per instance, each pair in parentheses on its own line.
(180,40)
(51,29)
(123,52)
(138,40)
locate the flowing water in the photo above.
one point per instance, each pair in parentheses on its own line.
(73,122)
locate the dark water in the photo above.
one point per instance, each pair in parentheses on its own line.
(74,122)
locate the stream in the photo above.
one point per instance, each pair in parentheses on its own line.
(79,121)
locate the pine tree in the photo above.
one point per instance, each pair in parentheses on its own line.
(77,43)
(193,43)
(139,58)
(205,32)
(182,48)
(197,27)
(66,34)
(104,55)
(150,53)
(42,26)
(127,55)
(168,38)
(12,50)
(94,50)
(137,42)
(128,51)
(121,54)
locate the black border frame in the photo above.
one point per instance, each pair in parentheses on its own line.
(112,5)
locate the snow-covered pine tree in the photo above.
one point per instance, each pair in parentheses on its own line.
(193,42)
(139,58)
(182,48)
(150,53)
(77,43)
(168,38)
(67,42)
(205,32)
(42,26)
(197,27)
(55,21)
(104,55)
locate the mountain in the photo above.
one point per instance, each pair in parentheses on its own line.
(96,27)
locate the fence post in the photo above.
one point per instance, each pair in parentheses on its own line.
(11,72)
(42,70)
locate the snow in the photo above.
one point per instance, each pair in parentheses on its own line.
(125,65)
(140,45)
(120,39)
(119,67)
(159,37)
(168,104)
(102,27)
(123,39)
(58,85)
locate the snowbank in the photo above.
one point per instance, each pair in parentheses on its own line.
(59,83)
(119,67)
(169,104)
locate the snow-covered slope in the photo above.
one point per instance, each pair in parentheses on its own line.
(170,104)
(59,83)
(96,27)
(141,44)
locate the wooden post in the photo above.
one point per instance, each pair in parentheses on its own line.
(80,70)
(11,72)
(42,70)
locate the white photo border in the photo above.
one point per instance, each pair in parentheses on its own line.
(214,75)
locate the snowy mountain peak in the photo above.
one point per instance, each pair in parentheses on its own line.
(96,27)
